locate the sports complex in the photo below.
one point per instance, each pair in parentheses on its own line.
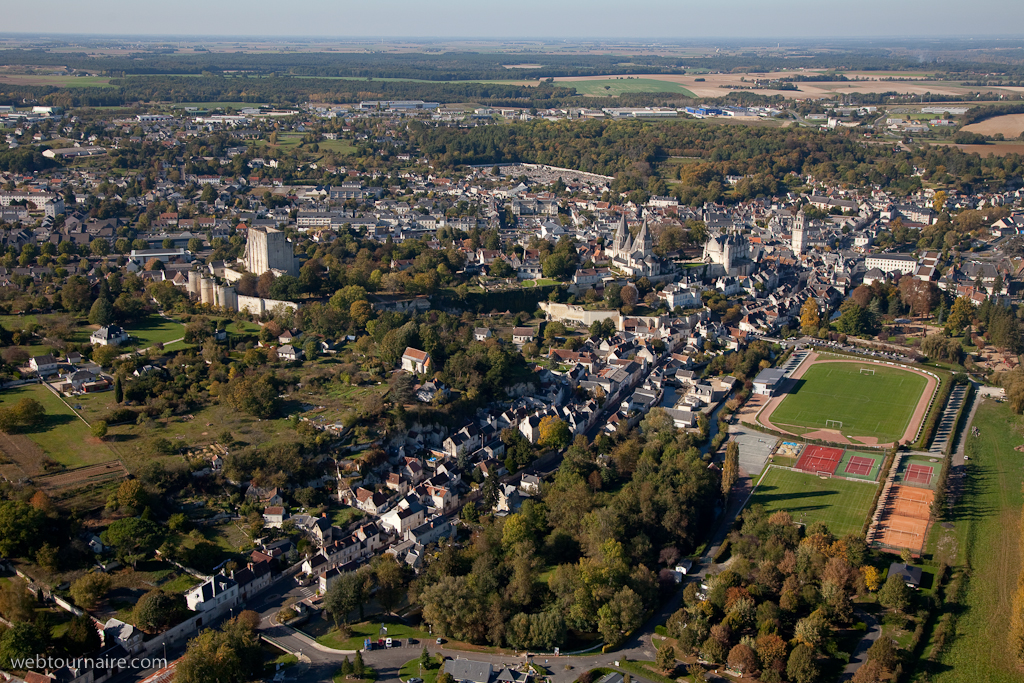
(853,409)
(850,402)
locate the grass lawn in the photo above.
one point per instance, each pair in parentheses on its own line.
(617,86)
(412,669)
(987,532)
(155,329)
(371,629)
(842,505)
(878,405)
(63,437)
(541,282)
(345,515)
(337,146)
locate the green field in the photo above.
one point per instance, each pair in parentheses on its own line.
(62,437)
(155,329)
(337,146)
(371,629)
(613,87)
(878,405)
(842,505)
(987,533)
(60,81)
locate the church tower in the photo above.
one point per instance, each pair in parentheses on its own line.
(643,242)
(799,225)
(621,243)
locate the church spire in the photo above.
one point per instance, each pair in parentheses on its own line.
(643,242)
(620,246)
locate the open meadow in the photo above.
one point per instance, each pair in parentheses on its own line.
(62,437)
(986,529)
(877,405)
(842,505)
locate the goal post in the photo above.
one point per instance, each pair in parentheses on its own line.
(867,371)
(825,475)
(838,424)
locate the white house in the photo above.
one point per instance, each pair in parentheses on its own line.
(44,365)
(414,360)
(111,335)
(217,592)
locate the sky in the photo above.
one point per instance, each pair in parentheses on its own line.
(623,19)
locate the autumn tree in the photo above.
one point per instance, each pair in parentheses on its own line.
(554,433)
(810,319)
(895,594)
(730,467)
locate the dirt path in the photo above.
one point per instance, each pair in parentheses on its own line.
(909,435)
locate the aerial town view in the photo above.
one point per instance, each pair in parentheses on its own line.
(471,343)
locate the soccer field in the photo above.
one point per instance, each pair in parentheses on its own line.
(873,405)
(842,505)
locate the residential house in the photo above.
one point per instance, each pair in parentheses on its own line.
(217,592)
(522,335)
(274,516)
(44,365)
(371,502)
(111,335)
(289,353)
(414,360)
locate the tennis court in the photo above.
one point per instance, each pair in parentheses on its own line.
(819,459)
(861,465)
(919,474)
(905,518)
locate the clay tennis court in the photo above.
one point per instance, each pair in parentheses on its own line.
(918,474)
(819,459)
(859,465)
(904,523)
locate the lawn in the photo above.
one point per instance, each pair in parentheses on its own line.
(412,669)
(540,282)
(372,630)
(878,405)
(63,437)
(155,329)
(840,504)
(613,87)
(987,533)
(337,146)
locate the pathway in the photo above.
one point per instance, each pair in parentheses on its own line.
(860,655)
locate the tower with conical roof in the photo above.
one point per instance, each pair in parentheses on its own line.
(621,243)
(643,242)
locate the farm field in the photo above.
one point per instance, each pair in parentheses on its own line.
(996,149)
(840,504)
(59,81)
(709,85)
(1010,125)
(878,405)
(219,105)
(63,437)
(987,531)
(612,87)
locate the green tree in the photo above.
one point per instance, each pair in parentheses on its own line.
(801,667)
(358,668)
(230,655)
(118,390)
(19,641)
(20,529)
(620,615)
(254,394)
(89,589)
(132,539)
(156,610)
(101,313)
(666,659)
(81,636)
(895,594)
(99,429)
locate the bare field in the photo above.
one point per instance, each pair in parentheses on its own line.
(998,149)
(56,81)
(709,86)
(1010,125)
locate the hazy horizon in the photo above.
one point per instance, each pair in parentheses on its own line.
(531,19)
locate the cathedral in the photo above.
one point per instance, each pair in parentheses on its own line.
(634,255)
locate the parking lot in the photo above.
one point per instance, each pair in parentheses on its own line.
(755,448)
